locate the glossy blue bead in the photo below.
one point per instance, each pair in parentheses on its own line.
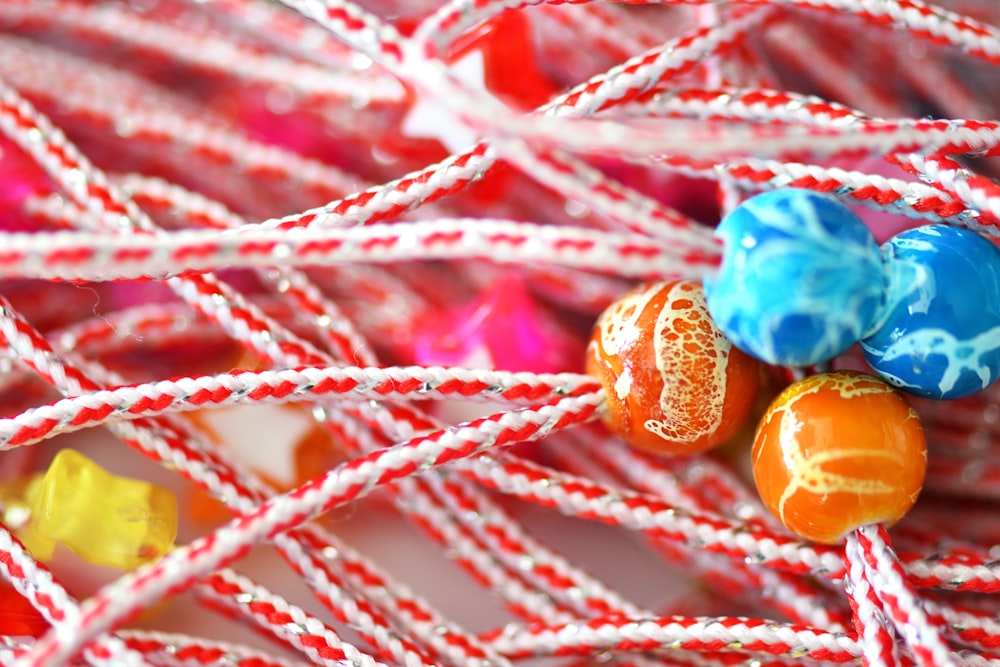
(939,336)
(801,278)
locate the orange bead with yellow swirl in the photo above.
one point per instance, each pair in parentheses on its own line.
(837,451)
(674,384)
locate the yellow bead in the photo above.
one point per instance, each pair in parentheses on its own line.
(105,519)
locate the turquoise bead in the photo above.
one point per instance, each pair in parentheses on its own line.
(801,278)
(939,336)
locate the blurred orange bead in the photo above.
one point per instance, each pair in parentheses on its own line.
(674,384)
(837,451)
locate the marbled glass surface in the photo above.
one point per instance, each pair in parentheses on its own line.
(801,278)
(939,336)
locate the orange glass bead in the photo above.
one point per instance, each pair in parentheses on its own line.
(674,384)
(837,451)
(296,444)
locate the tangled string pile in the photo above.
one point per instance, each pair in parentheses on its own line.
(149,144)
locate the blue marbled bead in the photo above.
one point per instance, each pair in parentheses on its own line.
(801,278)
(939,335)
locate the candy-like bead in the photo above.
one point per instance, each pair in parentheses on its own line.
(837,451)
(104,518)
(939,335)
(674,384)
(801,278)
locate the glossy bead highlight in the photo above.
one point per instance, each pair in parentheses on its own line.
(674,384)
(939,335)
(801,278)
(837,451)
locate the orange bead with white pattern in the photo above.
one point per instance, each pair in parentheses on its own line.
(837,451)
(675,386)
